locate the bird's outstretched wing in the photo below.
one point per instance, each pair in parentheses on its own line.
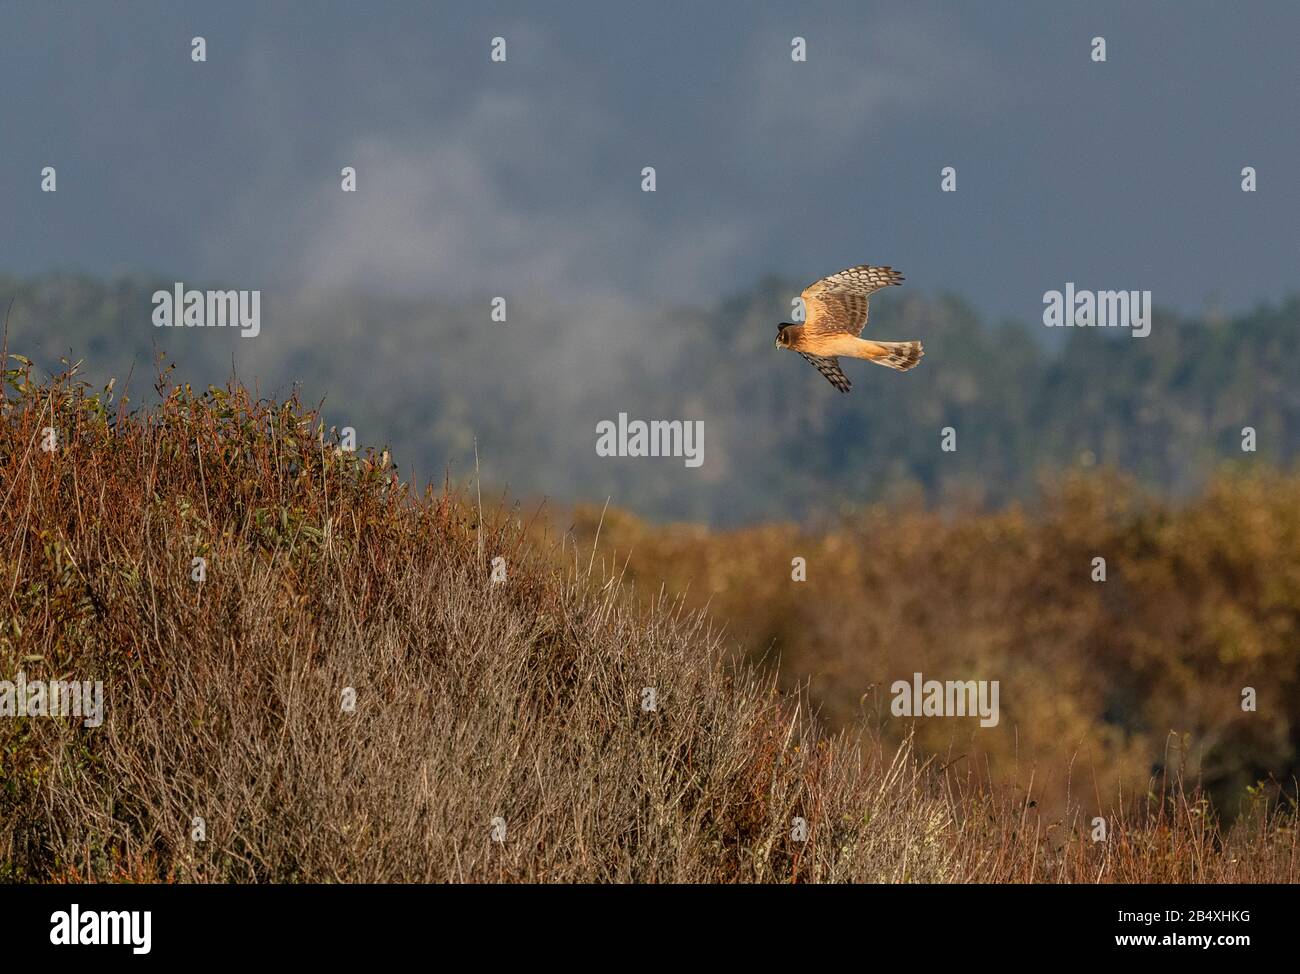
(838,304)
(830,367)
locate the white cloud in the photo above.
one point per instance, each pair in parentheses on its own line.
(511,193)
(530,188)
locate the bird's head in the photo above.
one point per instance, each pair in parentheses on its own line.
(783,334)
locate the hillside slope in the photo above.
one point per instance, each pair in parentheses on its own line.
(340,691)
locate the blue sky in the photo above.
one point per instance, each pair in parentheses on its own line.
(479,178)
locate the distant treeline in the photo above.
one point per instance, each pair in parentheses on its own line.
(431,380)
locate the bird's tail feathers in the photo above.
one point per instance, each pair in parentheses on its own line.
(895,355)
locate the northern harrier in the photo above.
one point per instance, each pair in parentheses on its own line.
(836,313)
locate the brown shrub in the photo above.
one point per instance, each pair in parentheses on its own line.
(475,700)
(1102,684)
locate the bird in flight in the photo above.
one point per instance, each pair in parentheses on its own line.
(836,313)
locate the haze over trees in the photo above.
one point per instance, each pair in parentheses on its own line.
(1022,400)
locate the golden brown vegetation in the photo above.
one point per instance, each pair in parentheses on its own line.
(1102,683)
(518,700)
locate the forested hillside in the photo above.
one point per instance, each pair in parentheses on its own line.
(430,379)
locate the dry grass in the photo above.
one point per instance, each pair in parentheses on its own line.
(1103,684)
(475,700)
